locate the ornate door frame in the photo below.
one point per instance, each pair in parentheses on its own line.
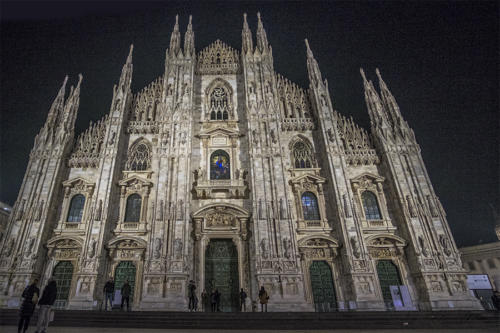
(222,221)
(127,248)
(319,248)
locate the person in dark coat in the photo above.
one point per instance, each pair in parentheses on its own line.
(109,289)
(264,298)
(213,301)
(496,300)
(48,299)
(217,299)
(204,301)
(191,295)
(243,298)
(30,298)
(126,289)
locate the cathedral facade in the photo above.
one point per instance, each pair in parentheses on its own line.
(224,172)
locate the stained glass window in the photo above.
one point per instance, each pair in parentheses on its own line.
(76,208)
(219,104)
(219,165)
(372,211)
(302,156)
(310,206)
(133,210)
(139,156)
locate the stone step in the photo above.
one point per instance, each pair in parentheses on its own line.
(269,320)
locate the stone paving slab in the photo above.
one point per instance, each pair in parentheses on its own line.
(13,329)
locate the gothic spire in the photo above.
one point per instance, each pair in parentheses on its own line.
(262,43)
(71,107)
(373,103)
(57,106)
(126,75)
(246,36)
(312,66)
(387,97)
(189,39)
(175,38)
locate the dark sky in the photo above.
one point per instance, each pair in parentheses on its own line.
(440,60)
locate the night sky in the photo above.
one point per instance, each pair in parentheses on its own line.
(439,59)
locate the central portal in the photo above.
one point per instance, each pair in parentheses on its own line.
(221,272)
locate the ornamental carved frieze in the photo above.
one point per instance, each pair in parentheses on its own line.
(127,249)
(64,249)
(218,58)
(385,246)
(78,185)
(89,146)
(218,219)
(318,248)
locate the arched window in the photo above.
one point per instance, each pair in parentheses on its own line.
(302,156)
(76,208)
(219,104)
(310,206)
(219,165)
(372,211)
(139,156)
(133,210)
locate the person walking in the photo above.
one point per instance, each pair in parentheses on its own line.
(126,289)
(46,301)
(30,298)
(243,298)
(264,298)
(213,301)
(109,289)
(191,295)
(204,301)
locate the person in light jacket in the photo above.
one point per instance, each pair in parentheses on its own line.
(48,299)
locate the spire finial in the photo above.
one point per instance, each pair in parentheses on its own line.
(190,19)
(262,43)
(362,71)
(176,20)
(309,52)
(258,16)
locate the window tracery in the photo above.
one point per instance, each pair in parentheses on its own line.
(139,156)
(75,212)
(370,205)
(310,208)
(302,156)
(219,104)
(133,209)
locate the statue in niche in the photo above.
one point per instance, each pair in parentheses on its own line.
(273,136)
(260,209)
(282,209)
(263,248)
(445,244)
(112,139)
(92,248)
(30,243)
(178,248)
(9,247)
(422,246)
(347,206)
(180,214)
(411,208)
(355,247)
(157,249)
(159,214)
(287,245)
(99,211)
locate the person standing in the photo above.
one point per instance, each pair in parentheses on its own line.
(46,301)
(243,298)
(204,300)
(264,298)
(191,295)
(30,298)
(109,289)
(217,299)
(126,295)
(213,301)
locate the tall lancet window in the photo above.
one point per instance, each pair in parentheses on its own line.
(370,204)
(139,156)
(219,165)
(302,156)
(219,104)
(75,212)
(310,206)
(133,209)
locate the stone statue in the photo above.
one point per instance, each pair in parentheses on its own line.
(157,249)
(287,245)
(92,248)
(263,248)
(178,248)
(99,211)
(355,247)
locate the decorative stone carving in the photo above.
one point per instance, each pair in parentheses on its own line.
(356,142)
(89,146)
(157,247)
(218,58)
(178,248)
(445,245)
(287,247)
(295,105)
(264,251)
(218,219)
